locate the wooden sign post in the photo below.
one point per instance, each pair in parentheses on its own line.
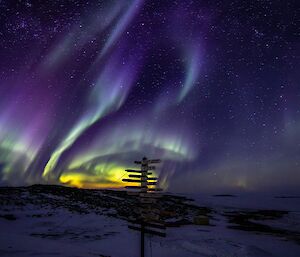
(149,221)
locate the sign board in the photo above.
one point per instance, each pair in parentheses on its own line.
(150,195)
(132,180)
(141,177)
(151,183)
(148,231)
(137,176)
(154,189)
(151,178)
(139,171)
(154,161)
(136,171)
(135,187)
(148,161)
(154,224)
(147,200)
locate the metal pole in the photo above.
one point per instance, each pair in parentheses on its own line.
(142,240)
(144,169)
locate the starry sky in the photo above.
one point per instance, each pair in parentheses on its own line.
(210,87)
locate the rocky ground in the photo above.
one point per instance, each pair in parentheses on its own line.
(60,213)
(174,210)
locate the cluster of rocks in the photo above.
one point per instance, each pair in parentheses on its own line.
(174,210)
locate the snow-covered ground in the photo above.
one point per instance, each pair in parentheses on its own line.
(250,201)
(44,231)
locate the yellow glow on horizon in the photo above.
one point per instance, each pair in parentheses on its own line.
(81,180)
(106,175)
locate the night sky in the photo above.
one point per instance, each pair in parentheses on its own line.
(210,87)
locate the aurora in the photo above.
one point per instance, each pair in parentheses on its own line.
(88,88)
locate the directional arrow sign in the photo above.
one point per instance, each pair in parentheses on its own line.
(135,187)
(148,231)
(136,171)
(147,200)
(139,171)
(148,161)
(151,178)
(139,181)
(154,189)
(142,177)
(155,224)
(154,161)
(137,176)
(151,168)
(151,183)
(133,180)
(150,195)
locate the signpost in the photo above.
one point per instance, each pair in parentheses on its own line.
(149,221)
